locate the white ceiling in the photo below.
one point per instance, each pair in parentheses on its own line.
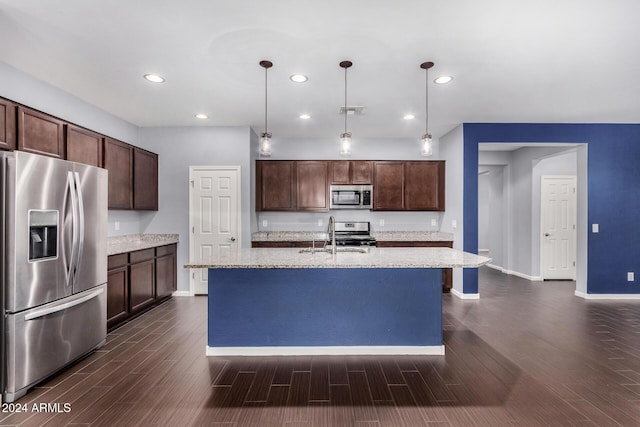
(512,61)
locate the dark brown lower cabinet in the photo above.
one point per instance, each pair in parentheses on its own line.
(117,289)
(139,280)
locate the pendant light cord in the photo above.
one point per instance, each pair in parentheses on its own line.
(265,100)
(345,100)
(426,97)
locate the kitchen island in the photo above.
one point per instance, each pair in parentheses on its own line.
(279,301)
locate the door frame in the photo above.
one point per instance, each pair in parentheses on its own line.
(193,169)
(575,223)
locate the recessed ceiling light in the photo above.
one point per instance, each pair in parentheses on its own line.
(201,116)
(154,78)
(298,78)
(443,79)
(305,116)
(409,117)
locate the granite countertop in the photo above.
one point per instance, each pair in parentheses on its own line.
(135,242)
(294,236)
(374,258)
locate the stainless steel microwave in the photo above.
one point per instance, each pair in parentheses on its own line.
(351,197)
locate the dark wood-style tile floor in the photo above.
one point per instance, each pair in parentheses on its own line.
(526,354)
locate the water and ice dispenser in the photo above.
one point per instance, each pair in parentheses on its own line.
(43,234)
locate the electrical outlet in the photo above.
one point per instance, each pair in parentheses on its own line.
(265,223)
(454,223)
(595,228)
(320,222)
(630,276)
(434,222)
(116,225)
(382,223)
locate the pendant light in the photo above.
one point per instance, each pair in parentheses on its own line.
(265,137)
(345,138)
(427,140)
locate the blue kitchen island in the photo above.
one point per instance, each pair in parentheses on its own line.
(278,301)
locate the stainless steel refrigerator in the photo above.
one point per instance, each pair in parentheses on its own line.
(53,266)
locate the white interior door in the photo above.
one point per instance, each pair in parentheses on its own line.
(214,212)
(558,216)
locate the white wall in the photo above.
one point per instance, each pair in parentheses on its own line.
(362,149)
(177,149)
(37,94)
(451,148)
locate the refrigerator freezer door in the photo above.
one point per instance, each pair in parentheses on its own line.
(91,266)
(42,340)
(36,184)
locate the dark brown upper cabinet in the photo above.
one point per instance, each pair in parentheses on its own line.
(312,185)
(388,186)
(40,133)
(424,185)
(145,180)
(351,172)
(7,125)
(84,146)
(275,185)
(118,160)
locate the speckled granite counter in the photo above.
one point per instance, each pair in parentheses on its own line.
(397,236)
(135,242)
(374,258)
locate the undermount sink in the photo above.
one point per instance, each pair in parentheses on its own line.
(351,249)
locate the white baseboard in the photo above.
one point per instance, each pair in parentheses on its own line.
(464,296)
(431,350)
(516,273)
(607,296)
(182,294)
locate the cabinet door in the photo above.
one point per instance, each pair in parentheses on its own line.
(119,162)
(424,186)
(275,186)
(7,125)
(361,172)
(145,180)
(40,133)
(388,186)
(166,275)
(340,172)
(84,146)
(117,295)
(141,285)
(312,179)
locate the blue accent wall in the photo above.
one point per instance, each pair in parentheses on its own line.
(613,194)
(324,307)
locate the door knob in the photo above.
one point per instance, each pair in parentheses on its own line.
(547,234)
(233,239)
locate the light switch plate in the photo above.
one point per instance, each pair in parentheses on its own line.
(265,223)
(595,228)
(382,223)
(116,225)
(454,223)
(320,222)
(630,276)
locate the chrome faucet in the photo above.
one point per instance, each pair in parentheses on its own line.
(332,230)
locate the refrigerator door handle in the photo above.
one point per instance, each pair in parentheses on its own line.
(74,226)
(60,307)
(80,240)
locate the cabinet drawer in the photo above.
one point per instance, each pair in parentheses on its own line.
(115,261)
(143,255)
(165,250)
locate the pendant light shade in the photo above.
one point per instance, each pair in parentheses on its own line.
(427,140)
(265,137)
(345,137)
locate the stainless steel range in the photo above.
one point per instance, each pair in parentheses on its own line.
(354,233)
